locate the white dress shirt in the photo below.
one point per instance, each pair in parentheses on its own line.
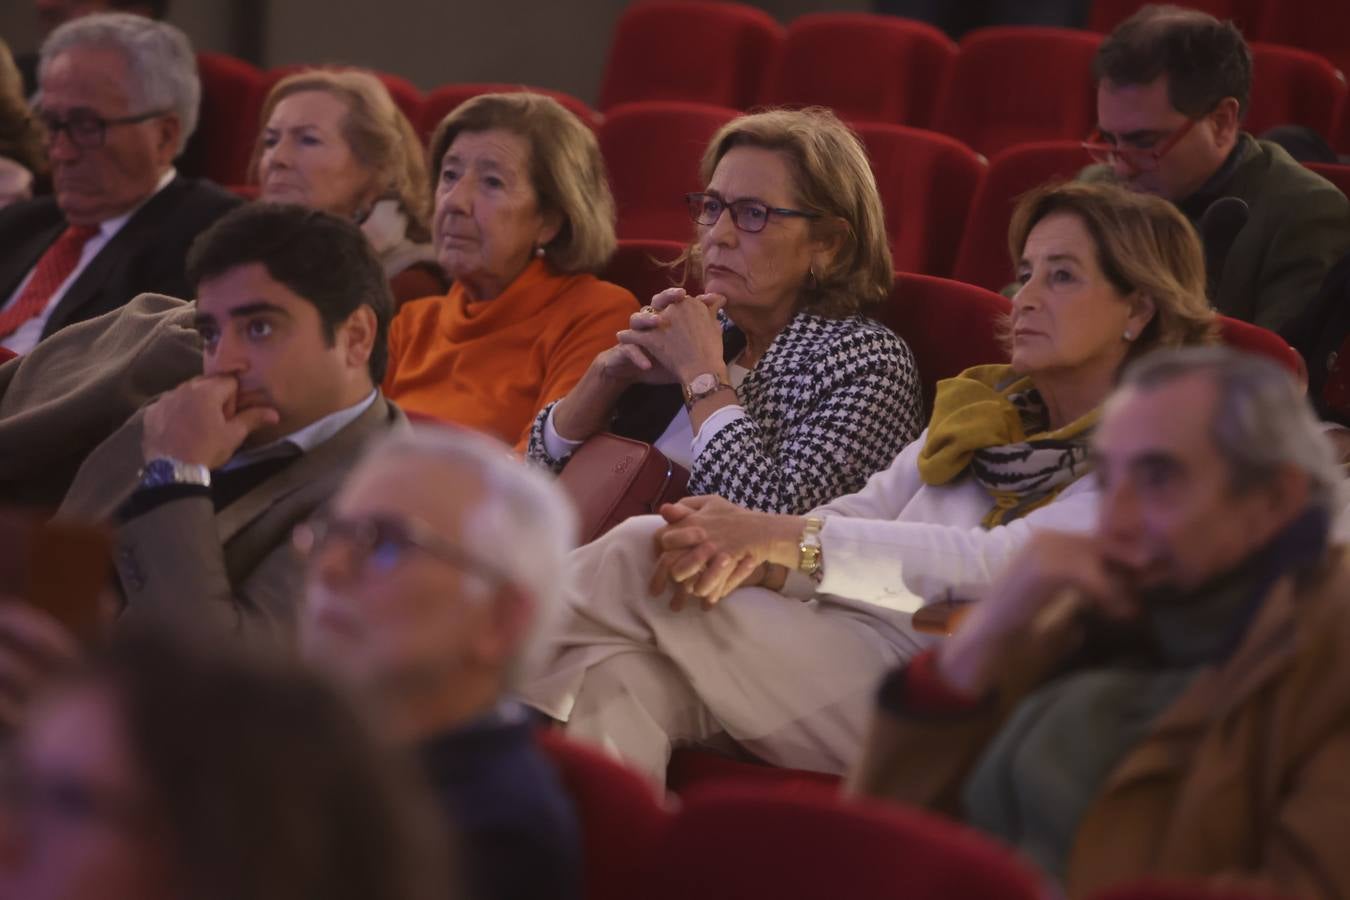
(305,439)
(26,336)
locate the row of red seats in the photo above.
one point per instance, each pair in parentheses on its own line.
(998,87)
(755,840)
(1003,86)
(947,207)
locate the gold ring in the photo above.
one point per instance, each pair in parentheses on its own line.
(650,310)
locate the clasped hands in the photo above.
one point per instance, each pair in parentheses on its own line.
(709,547)
(199,422)
(669,341)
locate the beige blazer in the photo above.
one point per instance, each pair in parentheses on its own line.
(183,565)
(78,386)
(1245,778)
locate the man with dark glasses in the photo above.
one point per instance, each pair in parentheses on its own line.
(118,96)
(1172,88)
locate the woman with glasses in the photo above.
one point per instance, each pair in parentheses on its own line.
(336,141)
(770,385)
(163,771)
(802,614)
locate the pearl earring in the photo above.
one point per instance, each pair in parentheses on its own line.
(1129,335)
(539,252)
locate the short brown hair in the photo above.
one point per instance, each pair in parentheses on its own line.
(831,177)
(1143,243)
(566,170)
(379,134)
(1205,60)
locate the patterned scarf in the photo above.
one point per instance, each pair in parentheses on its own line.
(990,422)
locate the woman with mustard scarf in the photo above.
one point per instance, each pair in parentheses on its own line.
(801,615)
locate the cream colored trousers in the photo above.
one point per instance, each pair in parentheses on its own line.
(790,681)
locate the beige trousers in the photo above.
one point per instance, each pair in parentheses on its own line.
(791,682)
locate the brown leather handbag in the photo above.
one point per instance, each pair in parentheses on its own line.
(610,478)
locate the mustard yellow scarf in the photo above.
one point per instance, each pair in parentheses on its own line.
(990,422)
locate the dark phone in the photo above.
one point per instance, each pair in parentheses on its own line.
(59,567)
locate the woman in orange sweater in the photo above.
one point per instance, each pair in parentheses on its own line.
(523,218)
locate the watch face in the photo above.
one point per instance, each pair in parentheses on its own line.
(703,383)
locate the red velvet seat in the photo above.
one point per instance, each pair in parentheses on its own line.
(1107,14)
(867,68)
(694,50)
(441,101)
(405,94)
(1263,342)
(1338,175)
(232,95)
(1176,890)
(733,843)
(927,182)
(1294,87)
(983,256)
(1314,25)
(621,818)
(652,151)
(948,325)
(692,770)
(1015,84)
(637,265)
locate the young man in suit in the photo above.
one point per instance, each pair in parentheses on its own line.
(427,576)
(1172,88)
(118,95)
(205,484)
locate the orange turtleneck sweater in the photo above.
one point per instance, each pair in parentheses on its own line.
(493,364)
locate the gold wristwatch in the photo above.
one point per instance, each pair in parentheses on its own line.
(808,549)
(701,386)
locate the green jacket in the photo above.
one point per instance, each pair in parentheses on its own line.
(1298,229)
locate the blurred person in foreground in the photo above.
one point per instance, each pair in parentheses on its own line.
(166,771)
(428,575)
(1165,694)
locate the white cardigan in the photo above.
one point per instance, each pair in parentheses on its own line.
(899,544)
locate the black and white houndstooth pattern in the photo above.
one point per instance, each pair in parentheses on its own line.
(831,402)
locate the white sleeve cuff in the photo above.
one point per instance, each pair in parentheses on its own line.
(555,445)
(720,419)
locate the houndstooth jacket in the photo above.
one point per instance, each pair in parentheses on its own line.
(831,402)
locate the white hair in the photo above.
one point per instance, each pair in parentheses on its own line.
(1262,420)
(160,59)
(524,523)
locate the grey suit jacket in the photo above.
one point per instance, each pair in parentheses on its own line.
(182,565)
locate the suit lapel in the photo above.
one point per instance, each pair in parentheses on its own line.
(318,469)
(137,232)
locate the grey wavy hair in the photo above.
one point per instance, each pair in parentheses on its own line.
(1262,420)
(159,57)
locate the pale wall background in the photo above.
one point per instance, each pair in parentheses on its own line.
(557,44)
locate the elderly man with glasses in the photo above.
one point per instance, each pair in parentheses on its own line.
(118,95)
(427,577)
(1172,87)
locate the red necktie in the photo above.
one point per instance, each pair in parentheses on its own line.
(51,271)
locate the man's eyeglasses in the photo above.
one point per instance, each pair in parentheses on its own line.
(382,542)
(86,128)
(747,215)
(1138,159)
